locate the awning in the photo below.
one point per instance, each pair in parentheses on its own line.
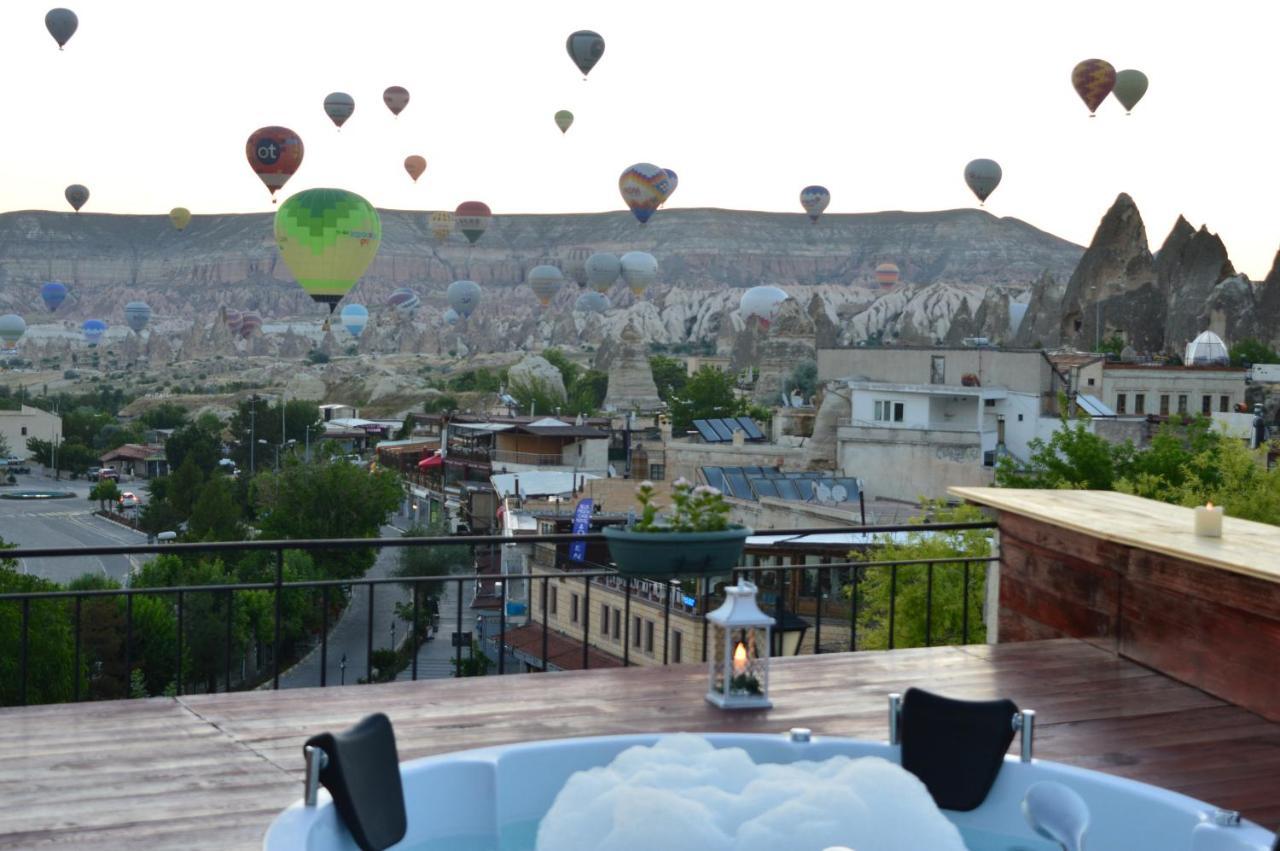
(430,461)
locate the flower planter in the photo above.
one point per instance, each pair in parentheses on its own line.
(675,553)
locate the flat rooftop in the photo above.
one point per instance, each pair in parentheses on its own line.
(212,771)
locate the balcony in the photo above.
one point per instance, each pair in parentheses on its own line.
(528,459)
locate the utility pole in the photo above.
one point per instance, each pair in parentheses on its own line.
(253,431)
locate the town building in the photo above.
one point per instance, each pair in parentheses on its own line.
(17,427)
(137,461)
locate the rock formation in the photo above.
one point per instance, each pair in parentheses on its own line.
(536,373)
(788,343)
(631,385)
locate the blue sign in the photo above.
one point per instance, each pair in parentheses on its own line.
(581,525)
(690,602)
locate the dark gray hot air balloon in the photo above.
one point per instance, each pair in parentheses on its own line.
(603,270)
(983,176)
(545,281)
(76,196)
(451,317)
(592,302)
(464,297)
(585,49)
(61,24)
(339,106)
(136,315)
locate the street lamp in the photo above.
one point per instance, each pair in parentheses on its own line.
(342,669)
(393,634)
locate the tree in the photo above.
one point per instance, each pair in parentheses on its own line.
(708,393)
(183,487)
(200,441)
(105,491)
(804,379)
(166,415)
(535,394)
(215,515)
(670,375)
(1113,345)
(331,499)
(588,392)
(1250,351)
(4,446)
(908,589)
(569,371)
(1073,457)
(261,420)
(50,642)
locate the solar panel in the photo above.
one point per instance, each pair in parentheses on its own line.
(753,471)
(787,489)
(737,482)
(708,434)
(753,431)
(766,487)
(731,424)
(850,487)
(804,488)
(714,477)
(721,430)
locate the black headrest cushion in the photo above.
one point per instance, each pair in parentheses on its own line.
(363,776)
(955,747)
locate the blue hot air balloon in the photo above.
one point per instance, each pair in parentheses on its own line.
(93,329)
(354,318)
(53,294)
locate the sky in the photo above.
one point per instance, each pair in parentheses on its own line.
(884,103)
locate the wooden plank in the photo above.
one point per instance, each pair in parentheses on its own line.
(1246,547)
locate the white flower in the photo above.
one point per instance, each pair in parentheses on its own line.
(706,490)
(682,482)
(645,485)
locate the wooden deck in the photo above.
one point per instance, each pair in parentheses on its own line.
(212,771)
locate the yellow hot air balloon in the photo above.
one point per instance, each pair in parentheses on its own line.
(327,237)
(441,224)
(181,217)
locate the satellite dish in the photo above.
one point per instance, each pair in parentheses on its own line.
(823,492)
(839,493)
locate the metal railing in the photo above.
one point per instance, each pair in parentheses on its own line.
(830,598)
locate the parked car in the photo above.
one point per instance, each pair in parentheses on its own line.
(108,473)
(92,475)
(129,499)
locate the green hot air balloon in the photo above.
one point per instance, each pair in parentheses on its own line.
(328,238)
(564,120)
(1130,86)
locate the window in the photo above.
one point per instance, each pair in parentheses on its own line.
(1164,405)
(573,608)
(1120,404)
(604,620)
(1206,405)
(938,370)
(1139,403)
(24,431)
(553,600)
(648,636)
(677,647)
(1090,382)
(1182,404)
(1224,405)
(635,631)
(657,472)
(617,624)
(887,411)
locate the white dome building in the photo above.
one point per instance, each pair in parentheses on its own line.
(1206,350)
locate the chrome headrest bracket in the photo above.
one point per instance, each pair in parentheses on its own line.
(1025,721)
(317,759)
(895,716)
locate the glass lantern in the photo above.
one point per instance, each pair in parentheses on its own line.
(738,652)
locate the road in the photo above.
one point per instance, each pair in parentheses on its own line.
(65,523)
(435,657)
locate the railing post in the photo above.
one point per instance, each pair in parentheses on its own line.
(626,625)
(26,629)
(545,586)
(781,609)
(706,604)
(964,616)
(502,625)
(457,657)
(417,587)
(586,621)
(128,640)
(231,595)
(368,650)
(817,621)
(853,613)
(275,645)
(666,623)
(76,667)
(893,599)
(928,605)
(181,629)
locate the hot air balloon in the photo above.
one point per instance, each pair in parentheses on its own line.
(814,199)
(327,237)
(603,270)
(12,327)
(673,181)
(1130,86)
(639,270)
(575,264)
(644,186)
(472,218)
(250,324)
(983,176)
(1093,80)
(564,120)
(464,297)
(404,301)
(76,196)
(395,97)
(181,217)
(415,165)
(441,224)
(585,49)
(136,315)
(761,303)
(451,317)
(233,318)
(61,24)
(545,281)
(339,106)
(53,294)
(592,302)
(354,318)
(887,274)
(93,329)
(274,154)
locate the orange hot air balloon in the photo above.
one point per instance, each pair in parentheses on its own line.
(415,165)
(274,153)
(1093,80)
(887,274)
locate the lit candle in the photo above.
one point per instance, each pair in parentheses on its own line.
(1209,521)
(740,660)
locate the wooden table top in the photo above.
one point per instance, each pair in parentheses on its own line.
(212,771)
(1246,547)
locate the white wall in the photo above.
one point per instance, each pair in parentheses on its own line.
(20,426)
(915,411)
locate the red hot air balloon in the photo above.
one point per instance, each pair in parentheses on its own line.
(1093,80)
(473,219)
(274,153)
(415,165)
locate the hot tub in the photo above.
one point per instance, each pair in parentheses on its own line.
(492,799)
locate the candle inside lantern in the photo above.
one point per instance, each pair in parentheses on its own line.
(740,659)
(1209,521)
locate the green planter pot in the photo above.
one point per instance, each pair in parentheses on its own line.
(648,554)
